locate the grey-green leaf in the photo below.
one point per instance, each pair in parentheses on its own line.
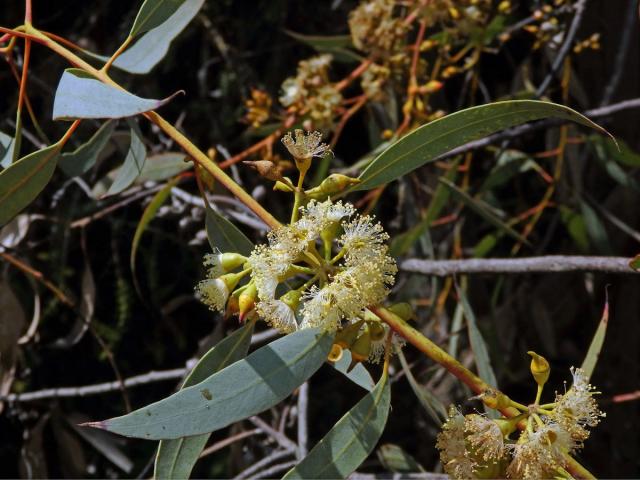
(23,180)
(593,354)
(350,441)
(7,144)
(152,47)
(80,95)
(358,374)
(176,458)
(430,141)
(154,13)
(241,390)
(162,166)
(84,157)
(225,236)
(132,166)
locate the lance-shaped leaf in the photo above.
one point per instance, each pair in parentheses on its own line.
(7,145)
(358,374)
(23,180)
(225,236)
(176,458)
(152,14)
(79,95)
(593,354)
(430,141)
(152,47)
(133,163)
(162,166)
(84,157)
(241,390)
(350,441)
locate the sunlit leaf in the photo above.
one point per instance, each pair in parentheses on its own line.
(162,166)
(7,144)
(176,458)
(358,374)
(133,164)
(23,180)
(84,157)
(593,354)
(395,459)
(79,95)
(350,441)
(241,390)
(154,13)
(152,47)
(225,236)
(428,142)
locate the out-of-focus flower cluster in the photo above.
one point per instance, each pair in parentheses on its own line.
(475,446)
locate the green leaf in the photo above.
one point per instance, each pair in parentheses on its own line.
(436,138)
(176,458)
(615,150)
(84,157)
(337,45)
(593,354)
(484,210)
(152,47)
(595,229)
(241,390)
(80,95)
(154,13)
(395,459)
(149,212)
(23,180)
(162,166)
(225,236)
(478,346)
(7,144)
(350,441)
(358,374)
(133,163)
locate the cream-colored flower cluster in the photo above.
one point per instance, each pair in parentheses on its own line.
(474,446)
(341,285)
(311,92)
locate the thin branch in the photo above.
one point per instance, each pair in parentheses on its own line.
(279,437)
(303,425)
(544,264)
(228,441)
(60,392)
(566,47)
(269,472)
(278,454)
(621,55)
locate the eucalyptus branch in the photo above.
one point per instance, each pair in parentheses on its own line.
(544,264)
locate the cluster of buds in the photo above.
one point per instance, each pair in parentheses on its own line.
(258,108)
(311,92)
(475,446)
(376,28)
(322,270)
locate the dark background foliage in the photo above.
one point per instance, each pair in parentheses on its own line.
(229,48)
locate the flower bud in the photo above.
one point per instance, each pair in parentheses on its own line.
(265,168)
(283,187)
(540,368)
(347,336)
(334,183)
(231,261)
(494,399)
(361,348)
(292,299)
(247,300)
(403,310)
(377,331)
